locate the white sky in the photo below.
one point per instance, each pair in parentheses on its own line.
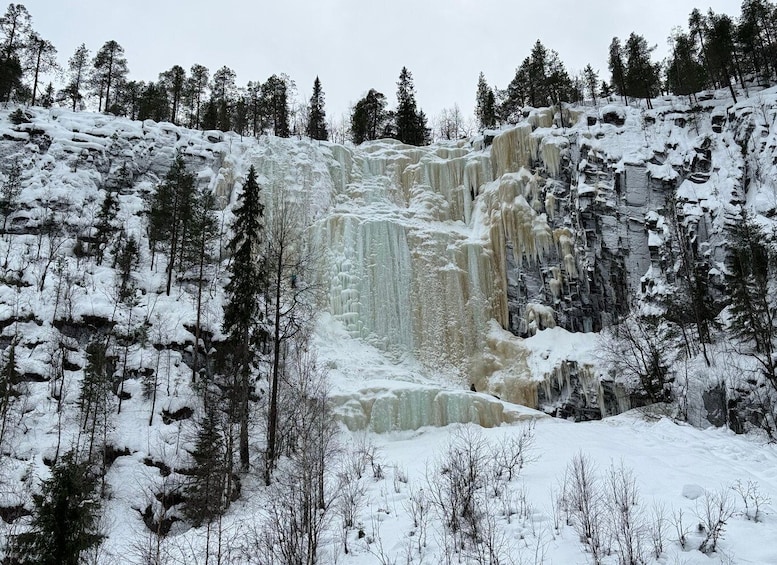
(355,45)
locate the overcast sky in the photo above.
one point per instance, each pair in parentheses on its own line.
(355,45)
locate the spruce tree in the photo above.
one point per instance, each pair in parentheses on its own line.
(96,394)
(407,122)
(485,104)
(317,121)
(617,67)
(242,312)
(64,518)
(205,494)
(591,79)
(750,282)
(104,226)
(9,378)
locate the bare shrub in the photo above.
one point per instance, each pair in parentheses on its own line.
(585,501)
(657,528)
(626,522)
(418,506)
(713,512)
(513,452)
(752,497)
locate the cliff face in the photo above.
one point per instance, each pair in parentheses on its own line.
(452,256)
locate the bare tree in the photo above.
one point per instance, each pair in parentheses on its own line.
(291,295)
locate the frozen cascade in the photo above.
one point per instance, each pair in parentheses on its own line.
(414,243)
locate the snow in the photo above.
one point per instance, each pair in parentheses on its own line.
(412,242)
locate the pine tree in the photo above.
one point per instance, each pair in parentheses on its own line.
(684,74)
(317,121)
(369,117)
(721,50)
(170,213)
(174,82)
(42,59)
(642,77)
(194,91)
(77,70)
(485,104)
(109,72)
(64,518)
(15,28)
(276,105)
(242,313)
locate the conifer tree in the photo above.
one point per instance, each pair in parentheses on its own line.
(685,75)
(194,92)
(642,77)
(617,67)
(407,113)
(485,104)
(369,118)
(47,98)
(77,72)
(64,518)
(205,494)
(750,282)
(317,119)
(109,72)
(276,105)
(174,82)
(9,378)
(95,397)
(242,313)
(153,103)
(104,225)
(170,213)
(15,28)
(10,190)
(591,79)
(203,230)
(42,59)
(721,50)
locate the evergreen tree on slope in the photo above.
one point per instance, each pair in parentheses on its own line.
(317,119)
(64,518)
(242,312)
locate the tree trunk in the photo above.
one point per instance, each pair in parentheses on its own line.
(272,423)
(37,72)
